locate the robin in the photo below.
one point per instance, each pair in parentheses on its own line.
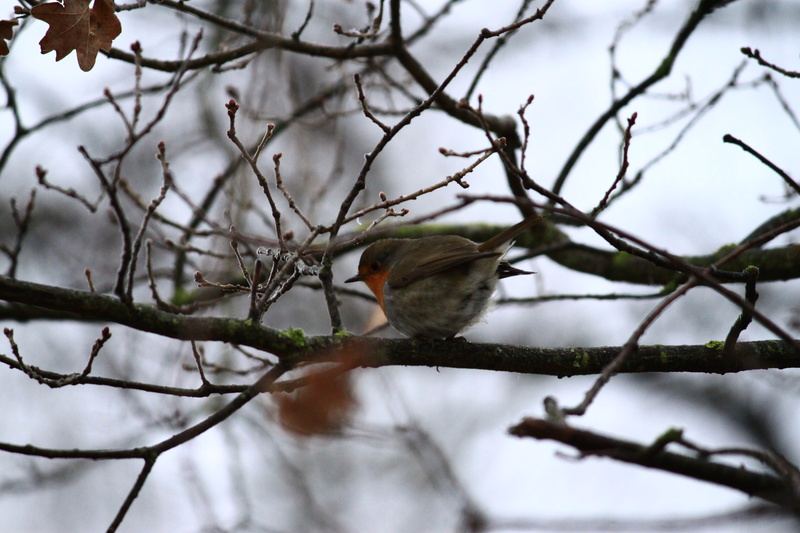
(434,287)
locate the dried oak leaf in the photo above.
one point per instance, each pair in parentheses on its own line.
(6,33)
(74,26)
(327,400)
(323,405)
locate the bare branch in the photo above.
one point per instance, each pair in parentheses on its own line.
(22,222)
(728,138)
(233,107)
(623,168)
(764,486)
(744,319)
(137,241)
(755,54)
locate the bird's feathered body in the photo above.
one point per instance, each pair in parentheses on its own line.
(434,287)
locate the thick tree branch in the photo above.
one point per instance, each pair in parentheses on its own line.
(762,485)
(261,43)
(294,346)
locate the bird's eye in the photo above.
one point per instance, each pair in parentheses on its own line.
(375,266)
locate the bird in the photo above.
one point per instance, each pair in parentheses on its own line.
(435,287)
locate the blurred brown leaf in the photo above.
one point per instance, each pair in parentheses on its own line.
(6,33)
(74,26)
(322,406)
(325,401)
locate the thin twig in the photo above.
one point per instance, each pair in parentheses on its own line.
(457,177)
(526,131)
(728,138)
(196,352)
(389,212)
(697,110)
(41,175)
(744,319)
(88,274)
(627,350)
(499,43)
(362,99)
(137,241)
(623,168)
(233,107)
(239,258)
(263,142)
(162,110)
(122,221)
(562,297)
(282,276)
(292,204)
(299,31)
(151,279)
(22,222)
(661,70)
(756,54)
(62,380)
(254,289)
(147,467)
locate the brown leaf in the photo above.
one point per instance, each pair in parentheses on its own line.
(74,26)
(6,33)
(322,406)
(325,402)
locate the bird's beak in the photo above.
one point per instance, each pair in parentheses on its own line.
(357,277)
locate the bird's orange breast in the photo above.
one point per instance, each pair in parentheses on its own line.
(375,281)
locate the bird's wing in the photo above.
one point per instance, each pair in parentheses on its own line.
(451,256)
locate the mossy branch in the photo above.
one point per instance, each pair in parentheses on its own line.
(293,347)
